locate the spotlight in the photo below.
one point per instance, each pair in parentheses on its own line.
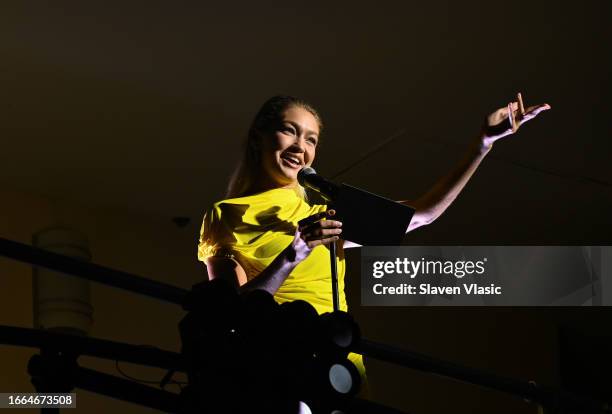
(341,329)
(344,378)
(304,408)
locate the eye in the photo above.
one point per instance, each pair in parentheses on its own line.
(312,140)
(289,129)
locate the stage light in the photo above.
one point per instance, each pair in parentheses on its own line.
(340,328)
(344,378)
(304,408)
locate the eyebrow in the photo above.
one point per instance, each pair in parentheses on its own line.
(299,128)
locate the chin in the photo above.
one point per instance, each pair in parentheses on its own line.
(293,174)
(288,173)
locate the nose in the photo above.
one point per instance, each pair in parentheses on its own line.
(299,144)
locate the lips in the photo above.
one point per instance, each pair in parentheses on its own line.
(291,160)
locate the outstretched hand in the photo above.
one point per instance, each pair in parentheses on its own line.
(506,121)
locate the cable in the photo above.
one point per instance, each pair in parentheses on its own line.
(161,383)
(144,381)
(519,164)
(591,180)
(370,152)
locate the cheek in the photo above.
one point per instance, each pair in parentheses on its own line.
(311,156)
(271,147)
(281,142)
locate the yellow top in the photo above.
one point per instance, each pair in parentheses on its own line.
(256,228)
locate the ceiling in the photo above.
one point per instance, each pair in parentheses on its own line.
(143,106)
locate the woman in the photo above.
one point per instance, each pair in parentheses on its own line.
(266,236)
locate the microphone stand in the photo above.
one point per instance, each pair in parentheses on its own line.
(334,276)
(343,198)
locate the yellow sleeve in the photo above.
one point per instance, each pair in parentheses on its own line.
(216,237)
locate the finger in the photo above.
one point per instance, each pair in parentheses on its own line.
(331,232)
(516,118)
(311,219)
(538,108)
(519,98)
(511,118)
(320,234)
(325,241)
(327,224)
(533,111)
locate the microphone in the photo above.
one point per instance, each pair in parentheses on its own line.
(308,177)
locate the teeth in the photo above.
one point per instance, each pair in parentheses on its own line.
(293,160)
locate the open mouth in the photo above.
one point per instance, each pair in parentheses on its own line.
(292,161)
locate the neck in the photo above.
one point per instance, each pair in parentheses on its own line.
(266,184)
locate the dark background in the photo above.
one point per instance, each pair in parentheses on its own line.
(141,107)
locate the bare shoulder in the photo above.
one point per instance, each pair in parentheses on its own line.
(227,268)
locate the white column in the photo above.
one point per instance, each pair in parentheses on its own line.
(62,302)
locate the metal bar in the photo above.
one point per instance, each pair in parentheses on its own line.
(93,272)
(538,394)
(125,390)
(100,348)
(334,276)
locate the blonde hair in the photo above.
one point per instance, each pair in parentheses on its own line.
(268,117)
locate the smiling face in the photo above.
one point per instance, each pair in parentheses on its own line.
(289,147)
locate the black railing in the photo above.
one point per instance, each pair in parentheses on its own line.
(551,398)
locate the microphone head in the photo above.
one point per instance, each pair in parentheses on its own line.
(303,173)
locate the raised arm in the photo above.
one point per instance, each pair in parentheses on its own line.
(432,204)
(501,123)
